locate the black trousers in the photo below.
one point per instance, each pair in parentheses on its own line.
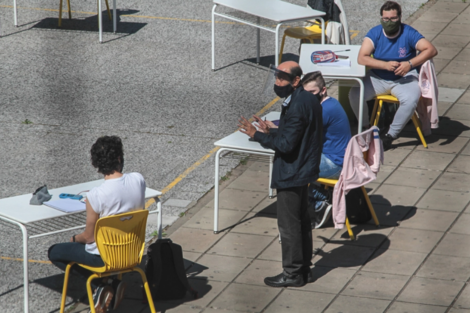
(295,228)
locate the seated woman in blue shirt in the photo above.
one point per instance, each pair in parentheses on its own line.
(394,67)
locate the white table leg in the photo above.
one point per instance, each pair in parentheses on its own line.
(276,53)
(322,31)
(100,21)
(15,14)
(257,42)
(160,218)
(270,177)
(213,36)
(216,191)
(114,17)
(361,103)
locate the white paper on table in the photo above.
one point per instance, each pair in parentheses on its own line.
(337,63)
(67,205)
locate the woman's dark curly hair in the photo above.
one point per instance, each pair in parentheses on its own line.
(107,155)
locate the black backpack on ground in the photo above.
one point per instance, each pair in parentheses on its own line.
(165,271)
(357,209)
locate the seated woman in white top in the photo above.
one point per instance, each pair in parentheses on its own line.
(118,194)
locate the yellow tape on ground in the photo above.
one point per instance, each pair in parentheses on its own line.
(21,260)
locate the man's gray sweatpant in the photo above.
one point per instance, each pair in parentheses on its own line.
(405,89)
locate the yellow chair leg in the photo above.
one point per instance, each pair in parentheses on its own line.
(90,292)
(109,12)
(282,48)
(417,124)
(350,232)
(374,112)
(371,208)
(147,289)
(68,8)
(64,289)
(60,13)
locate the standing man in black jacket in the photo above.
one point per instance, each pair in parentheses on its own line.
(297,144)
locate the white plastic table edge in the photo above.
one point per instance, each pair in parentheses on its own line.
(276,30)
(24,232)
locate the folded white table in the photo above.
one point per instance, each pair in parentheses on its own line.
(354,72)
(275,10)
(18,211)
(238,142)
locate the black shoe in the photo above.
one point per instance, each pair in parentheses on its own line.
(119,287)
(282,280)
(322,215)
(387,141)
(102,298)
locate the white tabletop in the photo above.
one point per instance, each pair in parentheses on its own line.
(18,208)
(239,140)
(356,70)
(274,10)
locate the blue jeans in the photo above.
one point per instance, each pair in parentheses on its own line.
(328,169)
(62,254)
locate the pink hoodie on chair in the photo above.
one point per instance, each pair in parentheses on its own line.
(427,105)
(357,171)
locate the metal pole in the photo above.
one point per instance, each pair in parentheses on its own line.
(114,17)
(257,41)
(276,53)
(216,191)
(99,21)
(213,36)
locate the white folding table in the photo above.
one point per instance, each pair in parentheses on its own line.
(238,142)
(18,211)
(275,10)
(100,23)
(354,72)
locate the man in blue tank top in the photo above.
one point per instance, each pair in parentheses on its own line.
(394,67)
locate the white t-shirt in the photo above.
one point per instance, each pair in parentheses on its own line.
(114,196)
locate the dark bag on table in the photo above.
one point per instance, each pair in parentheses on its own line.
(357,209)
(165,271)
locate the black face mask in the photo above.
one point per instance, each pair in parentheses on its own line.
(319,97)
(283,91)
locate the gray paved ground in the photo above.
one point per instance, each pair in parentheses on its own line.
(152,85)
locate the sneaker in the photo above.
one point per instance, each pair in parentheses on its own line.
(119,288)
(102,298)
(322,215)
(387,141)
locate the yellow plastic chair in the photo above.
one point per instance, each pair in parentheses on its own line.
(330,183)
(70,12)
(120,240)
(379,100)
(309,33)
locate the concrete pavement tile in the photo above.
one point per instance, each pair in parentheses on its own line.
(241,245)
(267,207)
(439,65)
(453,181)
(299,301)
(273,252)
(329,279)
(257,271)
(236,199)
(241,297)
(414,240)
(384,173)
(449,94)
(462,19)
(460,165)
(423,26)
(396,195)
(445,267)
(408,142)
(324,234)
(455,29)
(394,262)
(251,182)
(260,166)
(403,307)
(430,220)
(357,305)
(207,290)
(375,285)
(421,178)
(461,226)
(444,200)
(449,7)
(190,258)
(183,308)
(367,235)
(459,111)
(466,150)
(195,240)
(258,225)
(394,157)
(429,35)
(389,215)
(463,301)
(464,55)
(430,291)
(451,41)
(466,96)
(443,107)
(449,80)
(220,268)
(457,310)
(334,255)
(204,219)
(372,187)
(452,245)
(445,144)
(428,160)
(447,53)
(433,16)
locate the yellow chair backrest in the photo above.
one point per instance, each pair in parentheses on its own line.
(121,239)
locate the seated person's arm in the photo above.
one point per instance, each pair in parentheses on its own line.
(88,235)
(427,51)
(364,58)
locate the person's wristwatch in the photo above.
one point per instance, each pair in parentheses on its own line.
(73,238)
(411,64)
